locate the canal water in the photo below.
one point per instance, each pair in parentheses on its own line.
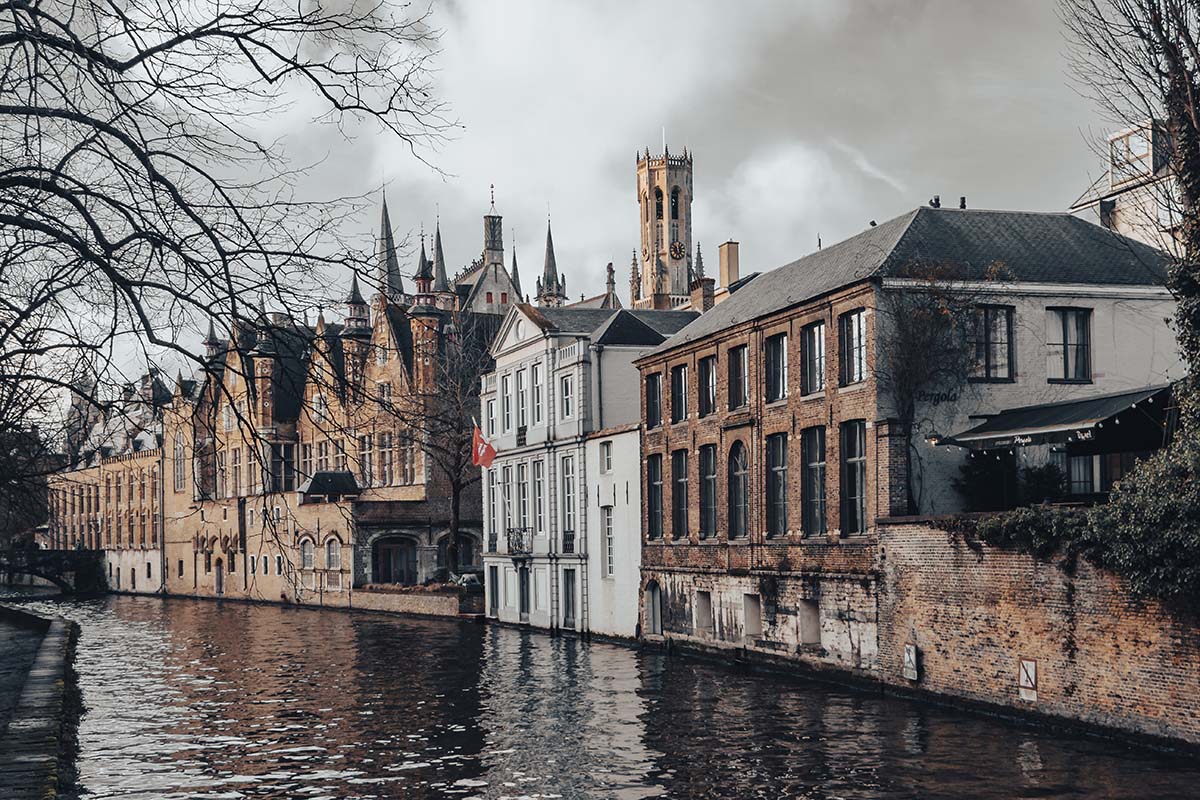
(195,699)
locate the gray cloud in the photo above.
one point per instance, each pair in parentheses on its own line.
(805,119)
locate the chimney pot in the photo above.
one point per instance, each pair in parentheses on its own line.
(729,267)
(962,202)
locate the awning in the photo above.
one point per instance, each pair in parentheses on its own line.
(1142,412)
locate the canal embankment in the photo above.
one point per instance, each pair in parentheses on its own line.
(38,703)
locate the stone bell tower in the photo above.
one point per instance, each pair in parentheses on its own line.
(664,190)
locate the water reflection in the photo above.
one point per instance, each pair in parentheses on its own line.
(203,700)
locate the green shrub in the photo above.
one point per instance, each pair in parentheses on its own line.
(1042,484)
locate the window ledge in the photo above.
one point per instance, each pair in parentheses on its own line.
(852,387)
(1077,381)
(780,403)
(816,394)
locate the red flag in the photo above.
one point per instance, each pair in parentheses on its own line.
(482,452)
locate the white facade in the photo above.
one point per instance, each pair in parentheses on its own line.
(555,382)
(1129,345)
(614,518)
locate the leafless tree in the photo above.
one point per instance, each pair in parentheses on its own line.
(139,196)
(928,347)
(1139,60)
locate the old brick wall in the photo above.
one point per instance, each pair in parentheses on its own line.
(1102,657)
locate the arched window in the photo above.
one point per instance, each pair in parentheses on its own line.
(658,203)
(739,498)
(675,203)
(306,554)
(333,554)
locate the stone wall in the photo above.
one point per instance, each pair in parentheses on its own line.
(1101,657)
(445,604)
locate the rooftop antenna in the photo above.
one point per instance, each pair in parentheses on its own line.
(664,131)
(493,188)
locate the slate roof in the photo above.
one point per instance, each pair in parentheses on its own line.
(1035,247)
(330,483)
(587,320)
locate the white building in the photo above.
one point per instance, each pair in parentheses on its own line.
(561,375)
(613,462)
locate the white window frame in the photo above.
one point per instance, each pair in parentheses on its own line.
(536,375)
(606,457)
(567,394)
(505,403)
(539,496)
(606,531)
(567,465)
(522,411)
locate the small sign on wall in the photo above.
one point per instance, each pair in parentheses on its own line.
(1027,680)
(911,672)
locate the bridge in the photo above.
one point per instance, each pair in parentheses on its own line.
(70,570)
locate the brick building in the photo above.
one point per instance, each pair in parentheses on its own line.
(291,468)
(771,446)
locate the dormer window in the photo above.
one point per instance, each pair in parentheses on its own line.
(1130,155)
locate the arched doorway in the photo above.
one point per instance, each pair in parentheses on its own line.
(220,578)
(394,560)
(653,611)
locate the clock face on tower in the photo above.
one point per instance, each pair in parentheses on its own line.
(677,249)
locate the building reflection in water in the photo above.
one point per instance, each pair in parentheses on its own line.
(199,699)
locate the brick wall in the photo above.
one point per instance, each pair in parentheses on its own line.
(1101,656)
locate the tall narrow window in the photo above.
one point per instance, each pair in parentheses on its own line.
(333,555)
(408,458)
(493,511)
(708,490)
(658,204)
(1068,345)
(679,494)
(777,367)
(180,464)
(365,448)
(237,473)
(852,347)
(777,467)
(306,460)
(812,453)
(679,389)
(522,418)
(654,496)
(522,496)
(323,456)
(568,396)
(738,377)
(506,508)
(536,375)
(610,550)
(505,404)
(992,343)
(491,417)
(854,477)
(739,497)
(386,473)
(539,496)
(675,203)
(813,342)
(222,488)
(568,494)
(654,400)
(707,375)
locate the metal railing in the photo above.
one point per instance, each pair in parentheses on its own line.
(520,541)
(568,541)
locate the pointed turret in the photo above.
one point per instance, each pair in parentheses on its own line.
(390,284)
(358,318)
(516,276)
(699,262)
(212,345)
(552,289)
(635,280)
(440,282)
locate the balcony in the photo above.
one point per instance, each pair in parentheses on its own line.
(568,541)
(520,542)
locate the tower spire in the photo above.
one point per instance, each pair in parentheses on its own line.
(440,282)
(514,275)
(551,289)
(390,284)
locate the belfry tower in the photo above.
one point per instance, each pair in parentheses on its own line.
(664,189)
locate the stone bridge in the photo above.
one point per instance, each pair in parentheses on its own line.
(69,570)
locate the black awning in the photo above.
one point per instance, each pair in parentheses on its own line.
(1143,412)
(330,483)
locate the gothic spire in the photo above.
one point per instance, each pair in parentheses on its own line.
(699,262)
(440,282)
(355,297)
(424,268)
(550,269)
(390,283)
(516,276)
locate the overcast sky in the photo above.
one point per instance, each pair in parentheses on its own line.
(806,118)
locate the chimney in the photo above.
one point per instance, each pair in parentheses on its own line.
(729,264)
(702,294)
(962,202)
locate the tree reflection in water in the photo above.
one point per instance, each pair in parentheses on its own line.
(199,699)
